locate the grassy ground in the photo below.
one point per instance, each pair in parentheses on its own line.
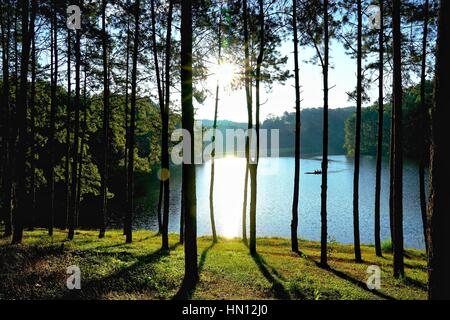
(114,270)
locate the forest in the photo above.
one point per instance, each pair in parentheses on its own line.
(99,102)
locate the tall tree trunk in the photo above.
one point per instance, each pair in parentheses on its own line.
(6,112)
(190,198)
(248,94)
(391,177)
(83,142)
(356,237)
(32,137)
(213,139)
(398,144)
(68,116)
(323,211)
(165,169)
(104,175)
(76,127)
(244,207)
(22,201)
(378,251)
(424,123)
(161,105)
(13,113)
(438,217)
(127,129)
(294,222)
(129,217)
(254,164)
(52,131)
(182,217)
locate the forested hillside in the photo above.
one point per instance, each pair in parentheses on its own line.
(411,122)
(311,130)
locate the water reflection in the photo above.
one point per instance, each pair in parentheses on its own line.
(275,188)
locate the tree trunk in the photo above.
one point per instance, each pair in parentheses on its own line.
(68,116)
(76,127)
(391,177)
(6,112)
(165,169)
(182,217)
(248,94)
(424,124)
(127,129)
(244,207)
(323,212)
(22,201)
(378,251)
(213,139)
(161,105)
(254,164)
(356,237)
(294,222)
(80,154)
(52,131)
(438,217)
(32,104)
(398,145)
(104,175)
(129,216)
(190,198)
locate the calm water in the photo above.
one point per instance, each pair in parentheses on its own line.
(275,188)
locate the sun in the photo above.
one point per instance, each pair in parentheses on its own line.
(223,72)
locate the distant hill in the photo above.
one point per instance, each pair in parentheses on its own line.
(311,130)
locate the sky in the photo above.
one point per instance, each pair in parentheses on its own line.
(281,98)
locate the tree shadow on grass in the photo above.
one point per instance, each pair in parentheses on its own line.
(203,256)
(358,283)
(188,286)
(416,283)
(129,279)
(278,288)
(351,279)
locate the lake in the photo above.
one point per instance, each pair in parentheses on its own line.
(275,191)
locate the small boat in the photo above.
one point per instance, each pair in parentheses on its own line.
(317,172)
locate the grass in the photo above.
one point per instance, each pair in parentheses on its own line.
(112,269)
(386,246)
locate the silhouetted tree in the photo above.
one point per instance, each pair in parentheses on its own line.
(68,118)
(254,163)
(21,116)
(294,222)
(248,94)
(190,199)
(323,206)
(380,131)
(438,217)
(131,138)
(398,144)
(32,136)
(161,103)
(324,35)
(7,150)
(76,128)
(356,237)
(213,138)
(165,162)
(53,106)
(424,124)
(104,175)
